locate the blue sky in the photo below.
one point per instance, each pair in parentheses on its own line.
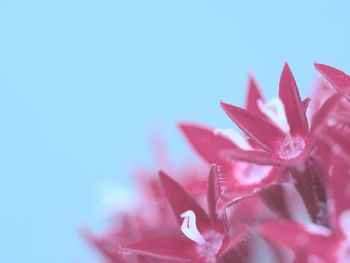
(84,83)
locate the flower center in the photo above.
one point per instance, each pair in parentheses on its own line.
(291,147)
(208,244)
(212,245)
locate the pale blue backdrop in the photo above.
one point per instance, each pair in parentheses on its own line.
(83,84)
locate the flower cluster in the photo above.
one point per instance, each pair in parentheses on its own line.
(278,191)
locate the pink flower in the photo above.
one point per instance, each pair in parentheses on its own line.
(205,237)
(314,243)
(287,164)
(237,180)
(285,139)
(283,135)
(278,134)
(145,219)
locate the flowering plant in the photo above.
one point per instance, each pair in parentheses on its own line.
(277,192)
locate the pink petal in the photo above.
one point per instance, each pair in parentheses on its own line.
(289,94)
(321,92)
(274,197)
(306,103)
(207,144)
(141,259)
(339,80)
(309,183)
(213,191)
(167,248)
(296,236)
(322,115)
(249,211)
(105,246)
(237,235)
(253,95)
(254,156)
(262,132)
(180,201)
(338,139)
(339,185)
(242,253)
(237,184)
(342,117)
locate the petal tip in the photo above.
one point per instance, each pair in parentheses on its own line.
(182,126)
(162,175)
(319,66)
(222,104)
(286,69)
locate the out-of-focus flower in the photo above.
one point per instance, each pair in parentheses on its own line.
(314,243)
(290,165)
(206,238)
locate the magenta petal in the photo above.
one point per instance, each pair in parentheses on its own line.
(294,235)
(167,248)
(257,157)
(321,116)
(141,259)
(275,198)
(306,103)
(237,183)
(339,80)
(253,95)
(339,185)
(235,237)
(105,246)
(180,201)
(213,191)
(262,132)
(309,183)
(207,144)
(340,139)
(289,94)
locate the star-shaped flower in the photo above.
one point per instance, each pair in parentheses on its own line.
(286,140)
(205,237)
(237,179)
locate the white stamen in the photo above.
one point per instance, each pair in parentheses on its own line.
(235,137)
(274,110)
(189,227)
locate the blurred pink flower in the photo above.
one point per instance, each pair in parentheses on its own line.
(283,183)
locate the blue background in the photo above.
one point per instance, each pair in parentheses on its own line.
(84,83)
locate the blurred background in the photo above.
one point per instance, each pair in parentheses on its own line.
(84,84)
